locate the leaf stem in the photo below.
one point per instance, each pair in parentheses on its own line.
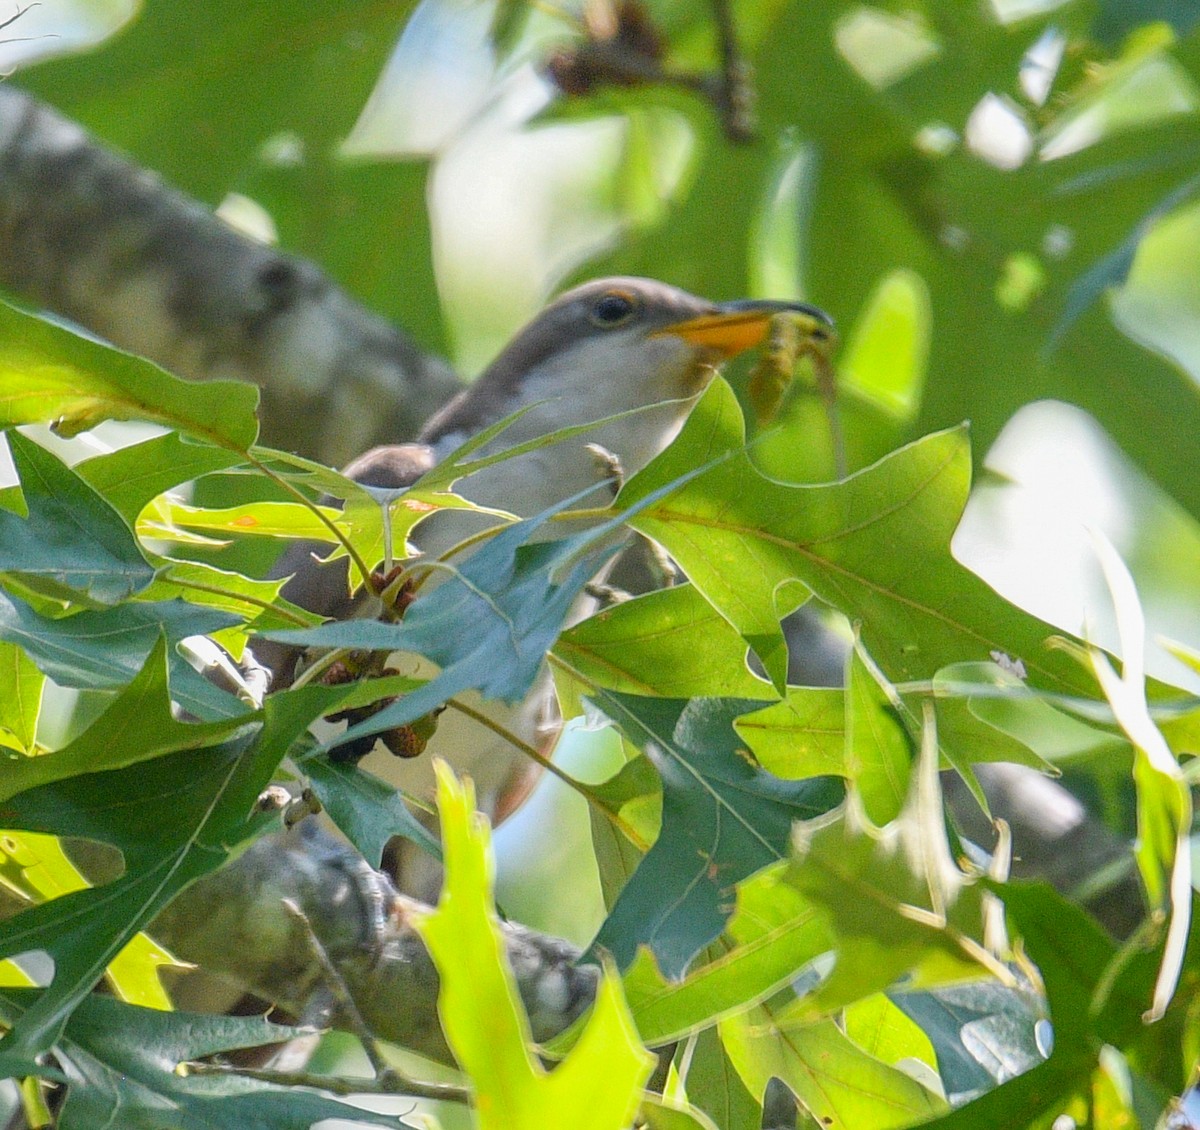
(585,791)
(326,521)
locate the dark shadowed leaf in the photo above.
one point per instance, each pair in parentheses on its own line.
(120,1061)
(173,818)
(104,649)
(723,819)
(137,726)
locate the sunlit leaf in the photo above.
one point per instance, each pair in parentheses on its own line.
(741,537)
(21,685)
(49,375)
(598,1084)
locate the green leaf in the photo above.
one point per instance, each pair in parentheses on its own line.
(598,1084)
(671,643)
(1164,798)
(49,375)
(174,818)
(886,1033)
(100,650)
(773,933)
(73,544)
(741,537)
(895,901)
(119,1062)
(36,868)
(802,736)
(878,750)
(368,811)
(132,477)
(168,839)
(839,1084)
(261,519)
(255,601)
(137,726)
(723,819)
(514,596)
(150,91)
(21,685)
(715,1087)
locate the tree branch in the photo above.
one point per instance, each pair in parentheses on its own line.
(235,923)
(99,240)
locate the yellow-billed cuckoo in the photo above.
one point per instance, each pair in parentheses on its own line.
(601,349)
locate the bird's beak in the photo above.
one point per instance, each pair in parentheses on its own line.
(738,326)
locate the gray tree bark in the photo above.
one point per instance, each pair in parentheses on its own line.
(234,924)
(96,239)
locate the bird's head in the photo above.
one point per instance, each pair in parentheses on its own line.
(609,346)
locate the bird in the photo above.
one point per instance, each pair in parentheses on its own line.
(632,348)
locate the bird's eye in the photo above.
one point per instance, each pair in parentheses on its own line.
(613,309)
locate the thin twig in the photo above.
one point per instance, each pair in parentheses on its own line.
(542,760)
(341,995)
(336,1085)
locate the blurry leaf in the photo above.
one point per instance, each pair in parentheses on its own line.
(1006,721)
(1164,799)
(72,544)
(894,899)
(878,750)
(723,819)
(1073,956)
(120,1067)
(715,1087)
(836,1082)
(741,536)
(671,643)
(151,90)
(656,1113)
(884,1032)
(894,189)
(598,1084)
(1117,18)
(886,356)
(773,933)
(49,375)
(802,736)
(21,685)
(365,220)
